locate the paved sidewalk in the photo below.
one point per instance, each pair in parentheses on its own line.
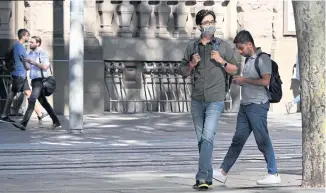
(150,152)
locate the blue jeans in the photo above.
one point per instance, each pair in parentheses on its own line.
(251,118)
(205,116)
(297,99)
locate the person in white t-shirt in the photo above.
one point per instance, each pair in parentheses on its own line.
(296,80)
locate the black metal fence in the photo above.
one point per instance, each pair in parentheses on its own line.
(148,87)
(17,108)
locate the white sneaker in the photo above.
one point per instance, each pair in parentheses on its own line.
(270,179)
(288,107)
(217,175)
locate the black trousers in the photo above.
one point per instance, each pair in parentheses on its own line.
(37,94)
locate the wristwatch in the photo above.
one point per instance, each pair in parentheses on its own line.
(225,64)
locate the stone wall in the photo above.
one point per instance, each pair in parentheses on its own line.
(154,31)
(143,31)
(50,20)
(264,19)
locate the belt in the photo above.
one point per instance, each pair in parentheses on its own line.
(23,77)
(39,78)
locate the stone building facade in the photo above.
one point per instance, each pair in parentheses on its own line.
(132,48)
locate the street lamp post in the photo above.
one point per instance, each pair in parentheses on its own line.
(76,67)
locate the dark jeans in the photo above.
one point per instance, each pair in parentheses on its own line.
(19,84)
(205,116)
(295,87)
(251,118)
(37,94)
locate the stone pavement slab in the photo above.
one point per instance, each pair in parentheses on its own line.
(146,152)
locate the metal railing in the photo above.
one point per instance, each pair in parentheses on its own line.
(5,86)
(157,87)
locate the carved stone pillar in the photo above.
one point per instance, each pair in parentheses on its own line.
(145,11)
(126,12)
(106,11)
(193,17)
(6,17)
(58,23)
(181,15)
(219,13)
(162,12)
(194,10)
(19,20)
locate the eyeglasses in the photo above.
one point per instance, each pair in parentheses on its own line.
(206,23)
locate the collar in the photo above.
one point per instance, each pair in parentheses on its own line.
(213,40)
(256,53)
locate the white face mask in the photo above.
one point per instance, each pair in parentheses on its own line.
(208,30)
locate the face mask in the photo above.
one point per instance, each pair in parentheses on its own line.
(208,30)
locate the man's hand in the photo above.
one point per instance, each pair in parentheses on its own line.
(28,60)
(216,56)
(239,80)
(195,60)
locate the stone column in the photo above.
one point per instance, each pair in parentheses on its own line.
(6,20)
(220,14)
(76,67)
(231,20)
(199,6)
(181,15)
(162,12)
(19,20)
(145,11)
(106,10)
(191,24)
(126,12)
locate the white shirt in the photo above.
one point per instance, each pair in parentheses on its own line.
(40,56)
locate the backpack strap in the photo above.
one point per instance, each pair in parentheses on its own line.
(257,62)
(195,45)
(195,50)
(228,78)
(216,43)
(39,58)
(246,60)
(257,65)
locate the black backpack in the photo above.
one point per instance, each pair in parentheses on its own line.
(9,60)
(275,84)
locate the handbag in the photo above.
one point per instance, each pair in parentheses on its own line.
(49,83)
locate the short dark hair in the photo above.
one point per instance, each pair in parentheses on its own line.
(243,37)
(37,39)
(203,13)
(21,33)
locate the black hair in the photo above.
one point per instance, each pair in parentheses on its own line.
(203,13)
(37,39)
(243,37)
(21,33)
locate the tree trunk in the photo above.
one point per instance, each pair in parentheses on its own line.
(310,28)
